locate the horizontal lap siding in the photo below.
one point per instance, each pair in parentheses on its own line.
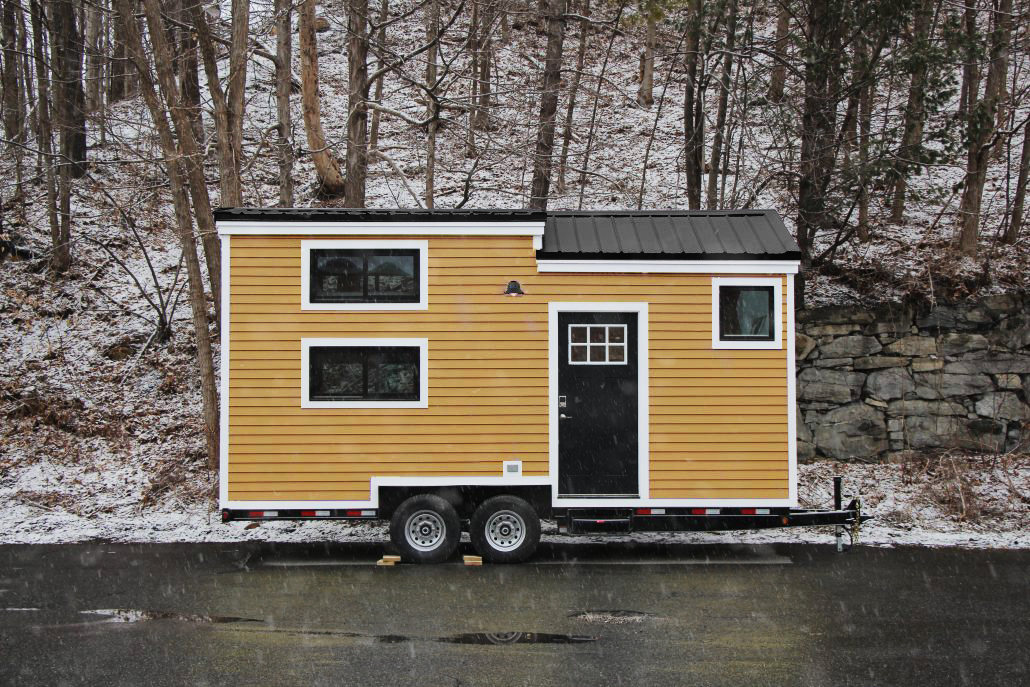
(718,418)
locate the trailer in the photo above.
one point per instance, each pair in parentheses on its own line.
(451,370)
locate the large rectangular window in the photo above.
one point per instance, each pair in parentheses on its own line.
(364,275)
(364,373)
(746,312)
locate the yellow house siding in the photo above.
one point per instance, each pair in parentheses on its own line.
(718,418)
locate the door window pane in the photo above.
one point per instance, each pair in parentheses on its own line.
(597,334)
(617,334)
(617,354)
(578,354)
(578,334)
(597,354)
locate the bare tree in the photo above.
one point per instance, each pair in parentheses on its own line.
(432,35)
(330,180)
(384,15)
(693,105)
(1015,222)
(581,52)
(13,95)
(651,10)
(548,104)
(982,118)
(283,53)
(180,199)
(778,77)
(66,48)
(357,106)
(235,89)
(720,118)
(60,234)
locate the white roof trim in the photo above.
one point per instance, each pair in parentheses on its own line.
(342,228)
(671,266)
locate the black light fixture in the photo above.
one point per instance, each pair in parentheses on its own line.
(514,289)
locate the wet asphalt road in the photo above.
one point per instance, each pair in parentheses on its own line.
(260,614)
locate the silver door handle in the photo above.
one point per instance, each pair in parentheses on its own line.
(563,416)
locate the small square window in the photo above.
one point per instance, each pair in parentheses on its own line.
(578,354)
(578,334)
(617,354)
(747,313)
(597,335)
(597,354)
(617,334)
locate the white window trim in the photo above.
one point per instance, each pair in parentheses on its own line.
(305,273)
(423,373)
(589,345)
(777,343)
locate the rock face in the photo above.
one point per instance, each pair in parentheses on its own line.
(889,378)
(856,430)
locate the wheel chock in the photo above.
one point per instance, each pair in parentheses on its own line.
(389,560)
(473,560)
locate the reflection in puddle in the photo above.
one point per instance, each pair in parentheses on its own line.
(130,615)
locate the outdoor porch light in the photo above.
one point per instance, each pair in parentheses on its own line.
(514,289)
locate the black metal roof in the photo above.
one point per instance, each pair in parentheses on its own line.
(596,234)
(668,235)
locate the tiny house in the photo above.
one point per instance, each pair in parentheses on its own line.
(483,369)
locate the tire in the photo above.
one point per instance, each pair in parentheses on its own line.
(505,529)
(425,529)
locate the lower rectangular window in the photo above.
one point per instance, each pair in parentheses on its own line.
(368,373)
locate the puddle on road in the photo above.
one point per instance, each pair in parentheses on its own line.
(131,615)
(618,617)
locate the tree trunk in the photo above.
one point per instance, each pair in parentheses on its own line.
(330,180)
(693,126)
(581,53)
(384,15)
(189,78)
(192,157)
(231,194)
(94,56)
(720,118)
(357,108)
(284,54)
(61,259)
(818,120)
(645,95)
(473,47)
(198,301)
(915,114)
(12,96)
(778,77)
(118,66)
(970,65)
(486,22)
(432,33)
(66,49)
(237,85)
(983,116)
(548,105)
(865,114)
(1016,218)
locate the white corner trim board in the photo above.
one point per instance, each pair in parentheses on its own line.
(423,372)
(670,266)
(305,273)
(777,285)
(286,228)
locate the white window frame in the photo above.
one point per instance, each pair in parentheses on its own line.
(423,372)
(305,272)
(605,345)
(777,343)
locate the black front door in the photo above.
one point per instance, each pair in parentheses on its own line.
(597,404)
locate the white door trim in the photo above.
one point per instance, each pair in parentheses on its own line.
(643,402)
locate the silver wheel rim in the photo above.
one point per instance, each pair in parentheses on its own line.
(505,530)
(425,530)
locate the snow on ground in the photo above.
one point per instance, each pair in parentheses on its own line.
(917,503)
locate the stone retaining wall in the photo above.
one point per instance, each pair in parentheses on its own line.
(872,381)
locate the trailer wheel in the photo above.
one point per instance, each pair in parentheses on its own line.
(425,528)
(505,529)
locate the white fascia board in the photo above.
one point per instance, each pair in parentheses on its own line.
(671,266)
(303,228)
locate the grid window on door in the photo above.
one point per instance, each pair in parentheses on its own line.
(597,344)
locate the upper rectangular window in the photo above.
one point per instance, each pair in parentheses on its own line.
(746,313)
(364,275)
(364,373)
